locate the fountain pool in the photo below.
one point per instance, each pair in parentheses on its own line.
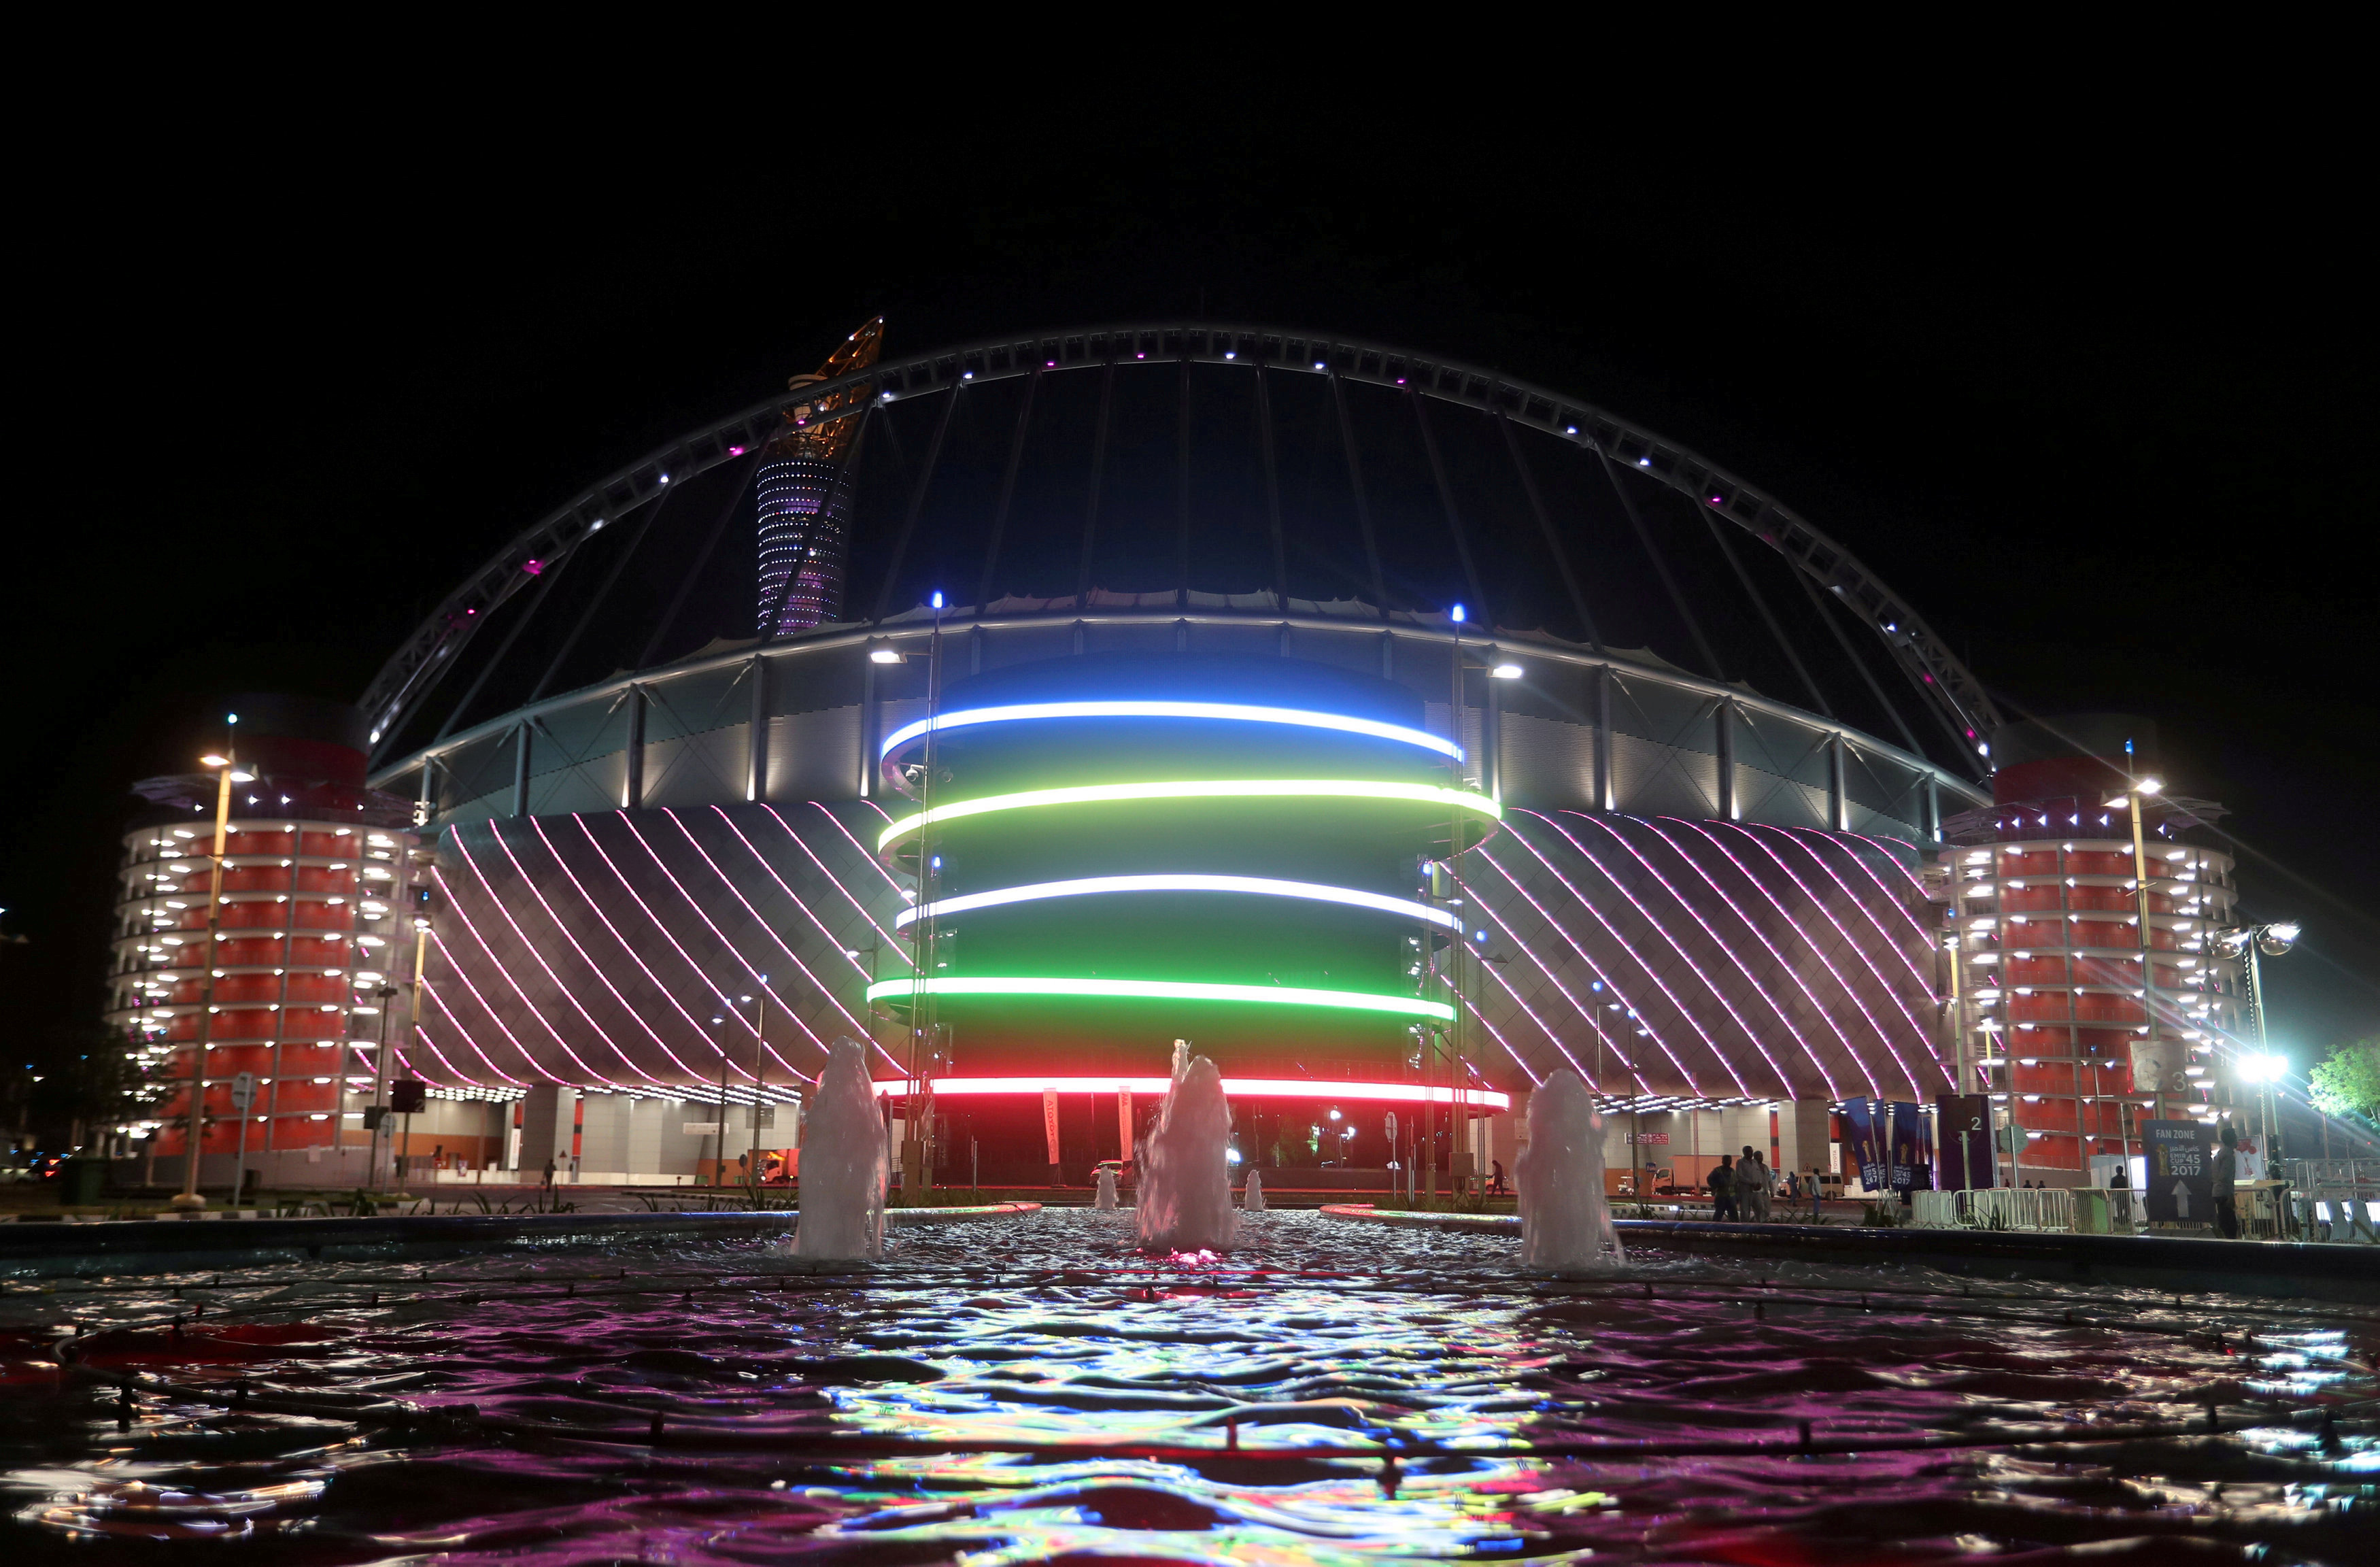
(1036,1388)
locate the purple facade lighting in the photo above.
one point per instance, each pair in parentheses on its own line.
(597,909)
(1874,973)
(1721,943)
(733,951)
(1883,1037)
(567,992)
(432,1045)
(456,905)
(488,1061)
(729,1010)
(1883,846)
(1584,1008)
(1836,843)
(1506,1045)
(857,902)
(1865,913)
(738,894)
(807,912)
(1784,1083)
(1783,965)
(583,956)
(1545,968)
(1659,984)
(1627,1006)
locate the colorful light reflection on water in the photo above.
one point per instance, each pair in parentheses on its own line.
(1313,1334)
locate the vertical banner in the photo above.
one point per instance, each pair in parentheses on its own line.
(1909,1170)
(1964,1128)
(2180,1157)
(1860,1140)
(1123,1123)
(1050,1122)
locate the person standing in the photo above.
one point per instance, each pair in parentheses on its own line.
(1816,1184)
(1722,1190)
(2119,1188)
(1753,1182)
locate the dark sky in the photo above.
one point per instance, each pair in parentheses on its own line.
(2104,411)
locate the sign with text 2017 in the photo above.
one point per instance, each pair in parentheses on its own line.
(2180,1157)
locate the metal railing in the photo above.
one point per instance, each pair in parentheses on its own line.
(2336,1199)
(2007,1208)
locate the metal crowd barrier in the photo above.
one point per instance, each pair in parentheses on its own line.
(2006,1208)
(2337,1200)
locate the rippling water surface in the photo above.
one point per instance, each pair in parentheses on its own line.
(1230,1408)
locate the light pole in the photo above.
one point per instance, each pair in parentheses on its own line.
(759,999)
(2272,940)
(227,773)
(2148,1051)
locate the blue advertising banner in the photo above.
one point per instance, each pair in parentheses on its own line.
(1964,1129)
(2180,1156)
(1863,1141)
(1911,1150)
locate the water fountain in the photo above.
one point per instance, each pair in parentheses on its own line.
(1186,1180)
(1105,1200)
(1565,1220)
(843,1169)
(1254,1200)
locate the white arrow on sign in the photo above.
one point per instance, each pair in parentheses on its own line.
(2181,1199)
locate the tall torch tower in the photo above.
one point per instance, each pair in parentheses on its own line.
(804,530)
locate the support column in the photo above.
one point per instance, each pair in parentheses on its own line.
(520,769)
(1802,1140)
(546,1117)
(756,728)
(1838,805)
(868,719)
(1723,728)
(1491,737)
(632,791)
(1603,793)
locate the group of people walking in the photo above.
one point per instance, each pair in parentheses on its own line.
(1745,1189)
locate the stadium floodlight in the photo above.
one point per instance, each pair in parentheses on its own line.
(1506,672)
(2276,939)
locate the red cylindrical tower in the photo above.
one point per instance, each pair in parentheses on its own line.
(2065,1000)
(313,878)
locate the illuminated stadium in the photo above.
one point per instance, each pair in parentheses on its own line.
(1394,732)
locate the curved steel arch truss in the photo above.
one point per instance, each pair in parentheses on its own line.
(1947,688)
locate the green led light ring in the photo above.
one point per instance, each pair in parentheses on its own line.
(1165,989)
(1192,789)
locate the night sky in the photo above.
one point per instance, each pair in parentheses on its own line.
(2106,419)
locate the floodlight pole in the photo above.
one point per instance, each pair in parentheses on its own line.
(189,1200)
(2148,965)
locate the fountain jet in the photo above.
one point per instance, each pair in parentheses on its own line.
(1565,1220)
(1186,1180)
(1254,1200)
(844,1167)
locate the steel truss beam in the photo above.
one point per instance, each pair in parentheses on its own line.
(1948,688)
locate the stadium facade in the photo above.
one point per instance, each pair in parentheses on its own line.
(1294,696)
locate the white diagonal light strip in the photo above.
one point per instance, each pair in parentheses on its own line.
(1265,886)
(1239,712)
